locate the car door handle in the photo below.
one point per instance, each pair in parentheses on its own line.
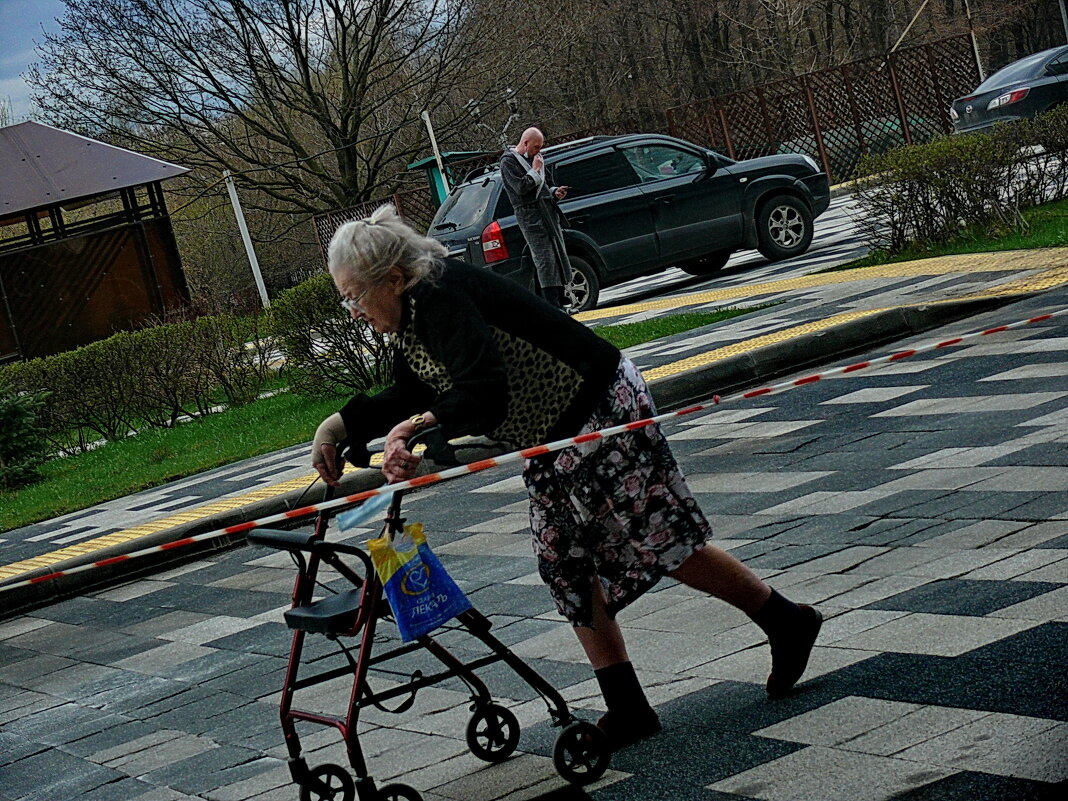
(665,200)
(578,219)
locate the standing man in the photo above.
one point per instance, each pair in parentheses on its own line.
(539,218)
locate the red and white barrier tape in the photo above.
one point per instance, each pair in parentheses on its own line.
(538,450)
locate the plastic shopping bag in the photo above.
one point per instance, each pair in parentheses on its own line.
(422,595)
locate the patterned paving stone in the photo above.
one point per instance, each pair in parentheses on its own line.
(936,544)
(825,774)
(963,597)
(965,786)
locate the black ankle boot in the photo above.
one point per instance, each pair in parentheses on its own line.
(629,717)
(555,295)
(792,630)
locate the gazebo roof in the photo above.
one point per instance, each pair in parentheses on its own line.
(42,166)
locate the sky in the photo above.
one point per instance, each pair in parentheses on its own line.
(21,22)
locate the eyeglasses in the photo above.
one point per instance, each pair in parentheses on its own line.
(355,304)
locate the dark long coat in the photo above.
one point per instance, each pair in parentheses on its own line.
(539,219)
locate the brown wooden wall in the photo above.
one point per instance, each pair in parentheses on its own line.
(70,292)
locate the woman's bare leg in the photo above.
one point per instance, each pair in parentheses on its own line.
(603,643)
(629,717)
(713,570)
(791,629)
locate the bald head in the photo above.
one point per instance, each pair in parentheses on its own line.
(531,142)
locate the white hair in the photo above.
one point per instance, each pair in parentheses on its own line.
(366,249)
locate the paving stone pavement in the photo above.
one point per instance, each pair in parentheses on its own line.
(799,304)
(923,507)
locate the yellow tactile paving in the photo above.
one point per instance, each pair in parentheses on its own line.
(701,359)
(1007,261)
(1044,277)
(163,524)
(1047,279)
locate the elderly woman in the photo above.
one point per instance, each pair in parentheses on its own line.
(477,354)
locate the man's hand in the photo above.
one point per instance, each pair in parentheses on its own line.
(561,192)
(537,163)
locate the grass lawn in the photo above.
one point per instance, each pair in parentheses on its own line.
(1047,227)
(157,456)
(627,335)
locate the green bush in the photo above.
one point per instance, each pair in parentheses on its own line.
(145,379)
(326,351)
(22,443)
(237,353)
(927,194)
(172,380)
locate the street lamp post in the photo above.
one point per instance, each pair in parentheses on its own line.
(249,250)
(975,42)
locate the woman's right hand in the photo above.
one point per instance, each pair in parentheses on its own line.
(399,463)
(324,449)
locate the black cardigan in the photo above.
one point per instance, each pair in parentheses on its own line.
(472,323)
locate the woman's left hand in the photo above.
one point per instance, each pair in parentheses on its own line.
(398,463)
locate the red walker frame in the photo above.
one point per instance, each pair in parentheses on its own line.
(580,754)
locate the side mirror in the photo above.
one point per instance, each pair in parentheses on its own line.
(711,165)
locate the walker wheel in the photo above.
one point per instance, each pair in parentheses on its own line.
(399,792)
(581,753)
(492,733)
(328,783)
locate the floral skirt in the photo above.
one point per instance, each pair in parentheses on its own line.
(617,508)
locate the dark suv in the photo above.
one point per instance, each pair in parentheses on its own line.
(639,204)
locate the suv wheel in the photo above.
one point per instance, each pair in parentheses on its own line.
(706,265)
(582,290)
(784,228)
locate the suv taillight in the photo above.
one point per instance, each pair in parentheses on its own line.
(493,247)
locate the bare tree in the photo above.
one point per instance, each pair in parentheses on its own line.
(7,112)
(315,102)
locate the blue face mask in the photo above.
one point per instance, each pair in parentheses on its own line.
(366,512)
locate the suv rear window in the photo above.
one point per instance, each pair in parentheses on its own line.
(465,206)
(595,174)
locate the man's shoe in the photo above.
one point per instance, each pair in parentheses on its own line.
(790,651)
(627,728)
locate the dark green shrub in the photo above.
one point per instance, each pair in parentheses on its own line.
(237,352)
(927,194)
(22,443)
(97,385)
(145,379)
(326,351)
(33,377)
(166,380)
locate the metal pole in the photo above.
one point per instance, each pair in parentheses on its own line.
(1064,19)
(975,42)
(908,27)
(434,146)
(252,260)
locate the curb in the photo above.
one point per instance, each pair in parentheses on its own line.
(774,361)
(722,377)
(838,190)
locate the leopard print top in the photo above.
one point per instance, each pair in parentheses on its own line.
(540,387)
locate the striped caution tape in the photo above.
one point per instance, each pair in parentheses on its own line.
(538,450)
